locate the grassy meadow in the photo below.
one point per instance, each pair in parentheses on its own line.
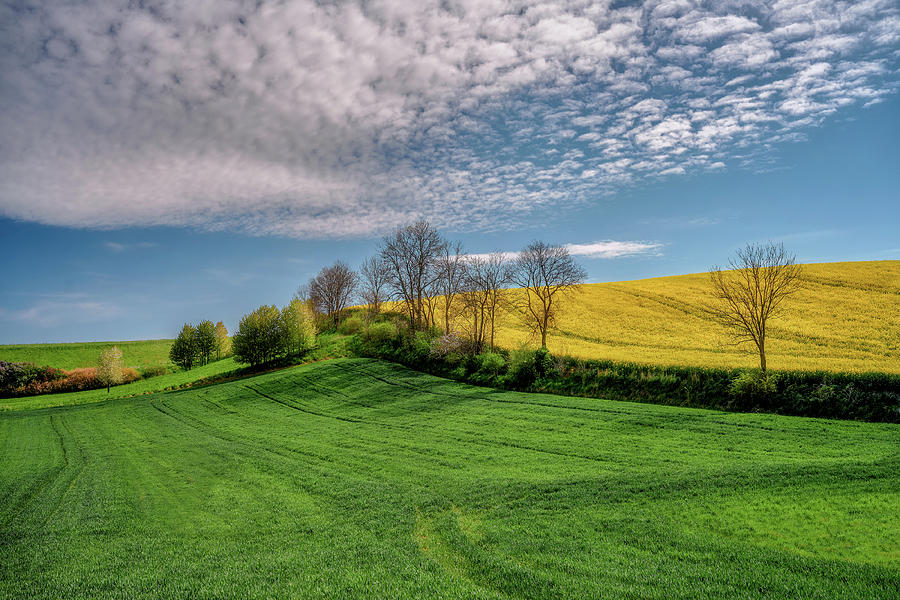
(330,345)
(356,478)
(845,319)
(135,354)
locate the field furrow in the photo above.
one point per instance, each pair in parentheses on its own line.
(358,478)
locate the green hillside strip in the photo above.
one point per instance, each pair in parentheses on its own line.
(219,368)
(135,354)
(330,345)
(356,478)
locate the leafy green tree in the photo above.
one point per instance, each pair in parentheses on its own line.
(223,342)
(109,367)
(299,324)
(260,337)
(206,340)
(184,349)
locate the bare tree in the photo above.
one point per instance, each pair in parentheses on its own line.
(449,278)
(759,278)
(484,295)
(374,278)
(332,289)
(409,254)
(303,293)
(545,273)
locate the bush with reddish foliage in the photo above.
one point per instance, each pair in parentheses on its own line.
(24,379)
(14,376)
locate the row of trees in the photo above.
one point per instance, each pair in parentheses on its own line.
(197,345)
(268,333)
(438,285)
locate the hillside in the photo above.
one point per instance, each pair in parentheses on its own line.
(135,354)
(356,478)
(846,319)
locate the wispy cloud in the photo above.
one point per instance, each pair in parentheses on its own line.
(321,119)
(601,249)
(613,249)
(683,222)
(50,313)
(120,247)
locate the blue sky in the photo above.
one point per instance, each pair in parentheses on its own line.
(175,163)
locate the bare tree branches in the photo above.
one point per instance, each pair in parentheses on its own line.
(332,289)
(752,290)
(484,295)
(374,278)
(409,255)
(450,272)
(544,273)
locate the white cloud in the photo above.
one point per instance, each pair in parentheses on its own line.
(601,249)
(318,119)
(613,249)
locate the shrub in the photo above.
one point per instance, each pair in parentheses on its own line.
(76,380)
(378,333)
(14,376)
(351,325)
(490,364)
(153,371)
(521,373)
(543,363)
(753,389)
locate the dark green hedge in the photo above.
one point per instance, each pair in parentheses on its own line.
(858,396)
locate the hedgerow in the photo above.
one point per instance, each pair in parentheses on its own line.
(858,396)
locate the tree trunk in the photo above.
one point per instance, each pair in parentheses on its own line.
(762,357)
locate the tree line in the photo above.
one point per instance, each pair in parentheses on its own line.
(436,285)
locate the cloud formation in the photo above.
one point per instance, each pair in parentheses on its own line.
(331,119)
(601,249)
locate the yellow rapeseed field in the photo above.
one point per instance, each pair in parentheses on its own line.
(846,319)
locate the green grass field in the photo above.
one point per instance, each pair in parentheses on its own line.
(355,478)
(330,345)
(136,354)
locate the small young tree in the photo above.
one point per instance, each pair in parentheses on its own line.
(332,289)
(752,290)
(223,343)
(545,273)
(206,340)
(299,325)
(374,283)
(260,337)
(184,349)
(109,367)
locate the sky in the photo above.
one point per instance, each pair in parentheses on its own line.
(168,162)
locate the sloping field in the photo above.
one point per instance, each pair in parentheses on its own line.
(356,478)
(135,354)
(846,319)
